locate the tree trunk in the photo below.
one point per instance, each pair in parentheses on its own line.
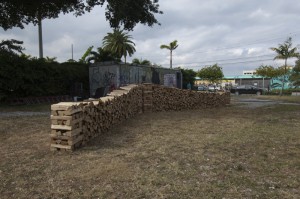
(40,35)
(283,79)
(170,58)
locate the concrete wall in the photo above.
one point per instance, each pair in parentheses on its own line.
(113,75)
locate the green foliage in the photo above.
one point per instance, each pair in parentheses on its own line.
(119,43)
(21,77)
(172,46)
(285,91)
(11,47)
(141,61)
(128,13)
(102,55)
(16,13)
(295,75)
(270,71)
(86,54)
(188,76)
(285,51)
(212,73)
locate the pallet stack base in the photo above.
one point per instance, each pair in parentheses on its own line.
(66,126)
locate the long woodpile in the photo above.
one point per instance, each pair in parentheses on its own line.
(174,99)
(75,124)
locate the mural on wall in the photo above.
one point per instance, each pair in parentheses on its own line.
(276,83)
(170,80)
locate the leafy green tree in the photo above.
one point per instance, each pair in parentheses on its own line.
(16,13)
(119,43)
(50,59)
(141,61)
(102,55)
(86,54)
(285,51)
(25,56)
(188,77)
(271,72)
(12,47)
(172,46)
(295,75)
(126,13)
(212,73)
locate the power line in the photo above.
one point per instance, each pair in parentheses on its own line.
(224,60)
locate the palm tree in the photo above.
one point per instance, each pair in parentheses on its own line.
(119,43)
(172,46)
(101,55)
(285,51)
(141,61)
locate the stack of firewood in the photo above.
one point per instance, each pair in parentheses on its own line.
(147,97)
(66,125)
(75,124)
(167,99)
(101,115)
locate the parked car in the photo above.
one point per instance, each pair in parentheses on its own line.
(246,89)
(214,88)
(202,88)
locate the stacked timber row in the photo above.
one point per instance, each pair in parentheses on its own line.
(173,99)
(66,126)
(147,97)
(75,124)
(101,115)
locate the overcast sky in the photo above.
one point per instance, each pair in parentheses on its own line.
(236,34)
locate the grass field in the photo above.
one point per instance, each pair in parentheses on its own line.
(294,99)
(231,152)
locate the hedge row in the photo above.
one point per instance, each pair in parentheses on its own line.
(21,77)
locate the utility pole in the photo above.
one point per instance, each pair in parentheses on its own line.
(72,51)
(40,36)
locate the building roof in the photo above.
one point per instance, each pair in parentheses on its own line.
(240,77)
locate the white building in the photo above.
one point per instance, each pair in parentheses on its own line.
(249,72)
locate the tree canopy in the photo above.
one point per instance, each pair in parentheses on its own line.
(11,47)
(119,43)
(172,46)
(126,13)
(212,73)
(101,55)
(188,77)
(295,75)
(270,71)
(141,61)
(285,51)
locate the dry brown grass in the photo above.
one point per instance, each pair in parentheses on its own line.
(294,99)
(232,152)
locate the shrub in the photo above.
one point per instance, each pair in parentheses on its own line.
(21,77)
